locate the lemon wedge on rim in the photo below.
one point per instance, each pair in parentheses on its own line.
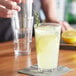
(69,36)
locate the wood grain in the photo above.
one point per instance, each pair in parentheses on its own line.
(10,64)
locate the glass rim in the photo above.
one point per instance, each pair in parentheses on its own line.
(57,24)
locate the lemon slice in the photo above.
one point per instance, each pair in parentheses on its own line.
(69,36)
(43,41)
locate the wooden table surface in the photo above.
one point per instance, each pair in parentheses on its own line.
(10,64)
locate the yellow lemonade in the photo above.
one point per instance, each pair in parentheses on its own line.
(47,46)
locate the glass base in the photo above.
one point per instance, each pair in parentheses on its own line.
(47,70)
(18,53)
(40,70)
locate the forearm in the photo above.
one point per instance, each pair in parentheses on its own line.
(49,8)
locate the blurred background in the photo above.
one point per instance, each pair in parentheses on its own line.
(66,11)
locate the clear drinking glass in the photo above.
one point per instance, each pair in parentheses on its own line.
(22,23)
(47,36)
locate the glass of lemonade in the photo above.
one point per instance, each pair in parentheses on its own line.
(47,36)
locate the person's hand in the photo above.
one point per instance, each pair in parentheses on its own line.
(7,7)
(65,26)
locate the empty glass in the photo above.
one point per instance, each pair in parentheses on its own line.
(22,25)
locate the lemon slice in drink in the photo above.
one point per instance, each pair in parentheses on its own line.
(69,36)
(44,42)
